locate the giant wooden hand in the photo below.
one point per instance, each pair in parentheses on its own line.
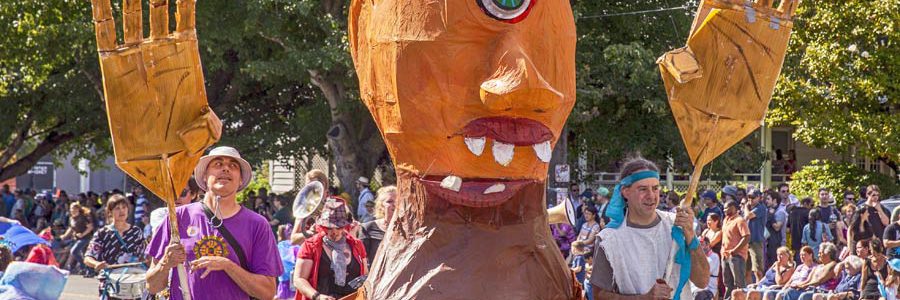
(155,98)
(719,86)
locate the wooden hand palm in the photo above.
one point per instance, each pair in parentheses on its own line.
(155,97)
(720,85)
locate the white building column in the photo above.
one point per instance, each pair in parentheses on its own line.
(84,169)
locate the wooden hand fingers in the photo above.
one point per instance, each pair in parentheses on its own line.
(786,8)
(104,25)
(133,21)
(159,19)
(184,17)
(789,7)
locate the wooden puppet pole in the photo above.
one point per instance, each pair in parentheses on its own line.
(685,203)
(174,236)
(688,199)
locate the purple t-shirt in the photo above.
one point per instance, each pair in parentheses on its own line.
(199,238)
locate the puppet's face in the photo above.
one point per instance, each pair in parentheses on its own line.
(478,89)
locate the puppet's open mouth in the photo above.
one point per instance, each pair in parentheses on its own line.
(507,133)
(475,192)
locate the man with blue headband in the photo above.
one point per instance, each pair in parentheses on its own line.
(635,248)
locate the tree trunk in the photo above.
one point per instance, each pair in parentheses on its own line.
(21,165)
(353,138)
(356,146)
(21,133)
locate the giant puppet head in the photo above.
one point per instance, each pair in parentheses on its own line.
(477,89)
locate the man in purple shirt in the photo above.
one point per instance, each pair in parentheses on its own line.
(215,270)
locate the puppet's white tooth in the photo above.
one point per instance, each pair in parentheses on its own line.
(496,188)
(452,183)
(543,151)
(475,145)
(503,153)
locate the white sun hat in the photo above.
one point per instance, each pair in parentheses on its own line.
(223,151)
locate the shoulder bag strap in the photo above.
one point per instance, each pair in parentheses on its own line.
(228,238)
(119,237)
(238,251)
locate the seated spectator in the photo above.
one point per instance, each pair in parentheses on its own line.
(893,279)
(584,243)
(848,287)
(862,249)
(711,289)
(822,278)
(801,273)
(776,277)
(874,268)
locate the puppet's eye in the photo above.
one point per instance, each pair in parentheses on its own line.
(511,11)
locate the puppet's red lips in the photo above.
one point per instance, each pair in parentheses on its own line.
(515,131)
(478,192)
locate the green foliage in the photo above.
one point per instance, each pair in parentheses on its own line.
(839,87)
(257,74)
(622,106)
(257,84)
(838,177)
(259,181)
(49,73)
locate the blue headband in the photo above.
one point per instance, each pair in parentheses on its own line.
(616,209)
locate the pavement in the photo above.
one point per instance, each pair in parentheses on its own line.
(78,287)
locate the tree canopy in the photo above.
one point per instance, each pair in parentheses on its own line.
(279,75)
(839,87)
(51,83)
(622,108)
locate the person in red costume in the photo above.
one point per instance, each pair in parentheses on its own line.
(332,263)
